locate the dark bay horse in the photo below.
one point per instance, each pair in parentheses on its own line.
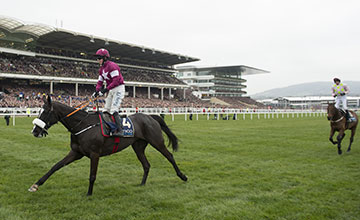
(92,144)
(338,123)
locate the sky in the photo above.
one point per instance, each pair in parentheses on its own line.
(297,41)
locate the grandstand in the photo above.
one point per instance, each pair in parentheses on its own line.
(37,59)
(218,81)
(222,85)
(308,102)
(35,54)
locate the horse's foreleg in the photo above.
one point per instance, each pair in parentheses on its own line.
(339,139)
(351,138)
(332,131)
(139,148)
(71,157)
(94,162)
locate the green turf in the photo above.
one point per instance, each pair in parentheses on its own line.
(246,169)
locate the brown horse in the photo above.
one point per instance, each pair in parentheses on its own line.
(87,140)
(338,123)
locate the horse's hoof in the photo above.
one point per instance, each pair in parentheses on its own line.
(339,152)
(348,150)
(184,178)
(335,142)
(33,188)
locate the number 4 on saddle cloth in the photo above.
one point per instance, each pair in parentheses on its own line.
(109,126)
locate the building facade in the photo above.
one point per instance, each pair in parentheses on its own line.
(308,102)
(210,82)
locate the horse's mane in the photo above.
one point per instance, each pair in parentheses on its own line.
(82,111)
(340,111)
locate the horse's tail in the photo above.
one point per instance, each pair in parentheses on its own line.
(173,140)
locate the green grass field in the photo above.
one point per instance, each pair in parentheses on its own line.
(247,169)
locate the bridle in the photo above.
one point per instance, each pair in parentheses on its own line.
(46,125)
(42,124)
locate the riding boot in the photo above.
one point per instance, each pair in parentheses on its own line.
(347,115)
(107,117)
(119,132)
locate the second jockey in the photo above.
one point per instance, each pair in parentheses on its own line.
(339,92)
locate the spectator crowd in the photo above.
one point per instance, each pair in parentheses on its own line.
(68,68)
(24,94)
(31,96)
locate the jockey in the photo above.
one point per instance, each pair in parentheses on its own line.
(339,91)
(110,72)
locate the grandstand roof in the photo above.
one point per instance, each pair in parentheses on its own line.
(48,36)
(245,70)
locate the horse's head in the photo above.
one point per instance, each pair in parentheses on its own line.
(331,111)
(46,119)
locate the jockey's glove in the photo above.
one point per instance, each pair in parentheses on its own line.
(95,94)
(342,94)
(100,93)
(104,90)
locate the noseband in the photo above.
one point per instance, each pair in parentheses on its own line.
(41,124)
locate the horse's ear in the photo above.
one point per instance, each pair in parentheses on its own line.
(49,100)
(44,98)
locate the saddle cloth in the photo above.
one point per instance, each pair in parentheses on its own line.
(108,127)
(351,118)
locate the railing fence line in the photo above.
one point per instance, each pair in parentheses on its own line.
(217,113)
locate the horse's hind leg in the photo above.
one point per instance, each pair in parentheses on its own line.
(139,148)
(71,157)
(351,138)
(160,146)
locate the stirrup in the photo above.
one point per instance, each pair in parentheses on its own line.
(117,133)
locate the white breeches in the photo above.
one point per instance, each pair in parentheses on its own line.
(114,99)
(341,100)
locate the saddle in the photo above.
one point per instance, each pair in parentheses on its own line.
(108,125)
(351,116)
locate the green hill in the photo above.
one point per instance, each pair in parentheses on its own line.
(307,89)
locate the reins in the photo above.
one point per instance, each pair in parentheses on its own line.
(81,105)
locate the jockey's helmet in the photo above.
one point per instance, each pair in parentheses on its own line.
(102,53)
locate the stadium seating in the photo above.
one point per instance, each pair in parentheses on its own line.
(30,96)
(25,95)
(67,68)
(123,60)
(242,102)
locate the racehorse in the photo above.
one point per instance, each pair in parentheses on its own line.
(87,139)
(338,123)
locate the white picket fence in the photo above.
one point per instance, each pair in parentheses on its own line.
(210,113)
(253,115)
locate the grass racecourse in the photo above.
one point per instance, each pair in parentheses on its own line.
(281,168)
